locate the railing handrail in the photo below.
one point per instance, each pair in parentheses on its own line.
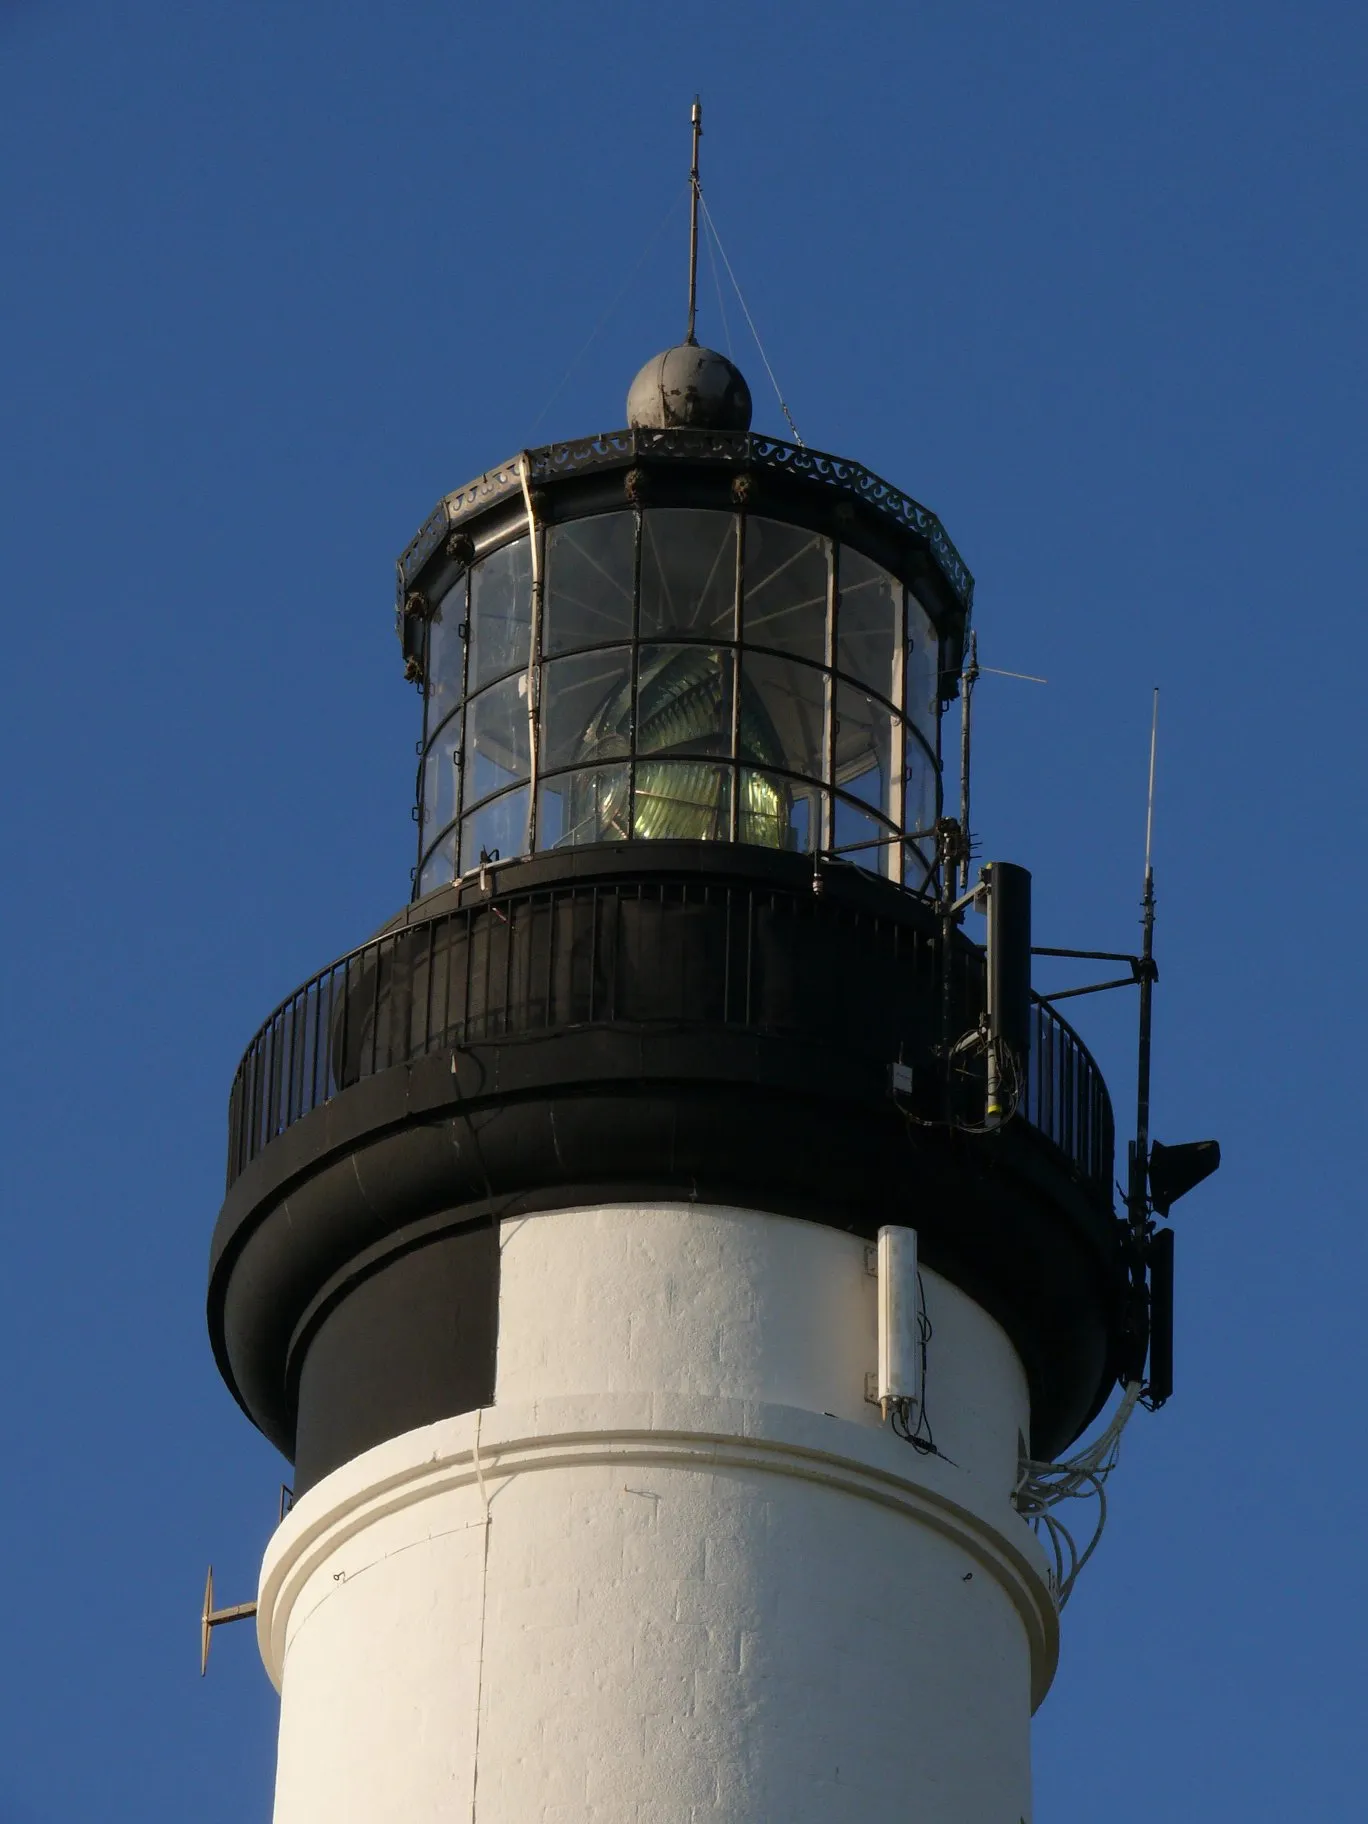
(1079,1098)
(1042,1006)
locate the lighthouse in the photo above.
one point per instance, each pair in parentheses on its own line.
(674,1250)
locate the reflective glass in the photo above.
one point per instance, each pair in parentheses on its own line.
(868,623)
(497,830)
(590,564)
(919,813)
(919,863)
(684,701)
(439,867)
(923,670)
(919,791)
(428,825)
(778,813)
(688,573)
(587,806)
(583,705)
(446,654)
(864,838)
(783,714)
(864,746)
(681,735)
(441,771)
(500,613)
(689,800)
(497,742)
(784,600)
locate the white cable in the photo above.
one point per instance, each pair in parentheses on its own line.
(1042,1486)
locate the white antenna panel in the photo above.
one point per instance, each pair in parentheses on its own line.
(900,1348)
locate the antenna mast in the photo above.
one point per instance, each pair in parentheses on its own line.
(1147,974)
(695,192)
(971,674)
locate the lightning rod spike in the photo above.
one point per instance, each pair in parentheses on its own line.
(695,192)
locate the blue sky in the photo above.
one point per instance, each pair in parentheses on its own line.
(1090,282)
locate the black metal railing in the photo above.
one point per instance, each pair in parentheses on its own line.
(691,954)
(1066,1098)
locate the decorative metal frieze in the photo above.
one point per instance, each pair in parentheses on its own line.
(742,450)
(430,535)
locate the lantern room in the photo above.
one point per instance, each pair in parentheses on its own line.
(682,631)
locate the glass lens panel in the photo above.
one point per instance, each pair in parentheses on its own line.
(439,867)
(496,738)
(589,569)
(785,594)
(689,800)
(919,801)
(919,862)
(777,813)
(864,745)
(856,826)
(587,806)
(688,573)
(923,670)
(500,613)
(783,714)
(584,704)
(428,825)
(440,778)
(496,831)
(684,701)
(868,623)
(446,654)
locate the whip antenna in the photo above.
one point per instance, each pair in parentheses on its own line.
(1147,974)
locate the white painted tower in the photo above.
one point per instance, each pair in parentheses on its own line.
(638,1479)
(677,1569)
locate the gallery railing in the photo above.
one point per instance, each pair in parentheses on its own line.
(677,954)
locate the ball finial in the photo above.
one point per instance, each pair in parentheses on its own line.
(689,388)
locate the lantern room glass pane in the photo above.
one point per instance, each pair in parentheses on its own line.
(590,569)
(688,574)
(500,613)
(446,654)
(919,800)
(439,868)
(497,743)
(778,813)
(919,865)
(498,830)
(864,746)
(666,707)
(784,601)
(687,800)
(783,714)
(923,670)
(585,806)
(441,777)
(868,623)
(583,706)
(684,701)
(863,838)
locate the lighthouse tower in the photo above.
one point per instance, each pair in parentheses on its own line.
(663,1249)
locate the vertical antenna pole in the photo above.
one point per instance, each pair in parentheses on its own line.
(694,194)
(1136,1199)
(971,673)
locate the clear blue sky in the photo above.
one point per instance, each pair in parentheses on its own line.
(1089,280)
